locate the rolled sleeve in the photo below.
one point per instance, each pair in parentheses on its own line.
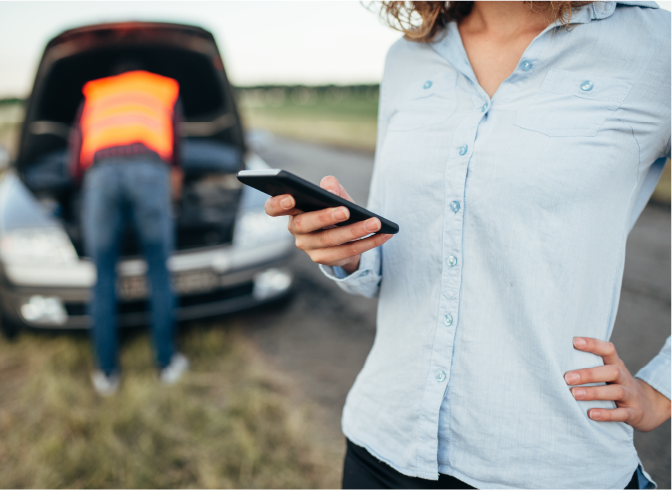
(365,281)
(657,372)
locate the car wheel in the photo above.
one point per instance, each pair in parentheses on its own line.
(9,329)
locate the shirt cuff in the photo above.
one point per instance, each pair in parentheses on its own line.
(364,281)
(657,372)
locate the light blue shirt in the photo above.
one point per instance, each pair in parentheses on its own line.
(514,213)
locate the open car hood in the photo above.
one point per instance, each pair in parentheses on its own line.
(212,148)
(186,53)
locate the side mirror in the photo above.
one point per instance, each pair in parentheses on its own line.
(4,158)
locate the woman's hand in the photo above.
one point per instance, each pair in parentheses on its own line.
(317,235)
(637,403)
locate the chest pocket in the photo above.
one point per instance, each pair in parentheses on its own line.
(571,104)
(426,102)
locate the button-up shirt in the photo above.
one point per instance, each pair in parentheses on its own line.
(513,212)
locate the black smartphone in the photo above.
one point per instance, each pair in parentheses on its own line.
(308,196)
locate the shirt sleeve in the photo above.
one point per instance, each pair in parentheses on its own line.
(365,281)
(657,372)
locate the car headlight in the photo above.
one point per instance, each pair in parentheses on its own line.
(36,246)
(45,311)
(257,228)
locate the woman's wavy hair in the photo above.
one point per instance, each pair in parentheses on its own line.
(402,16)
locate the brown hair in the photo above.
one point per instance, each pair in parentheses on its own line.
(436,15)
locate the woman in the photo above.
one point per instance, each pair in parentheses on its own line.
(517,145)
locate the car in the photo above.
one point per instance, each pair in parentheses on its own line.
(229,254)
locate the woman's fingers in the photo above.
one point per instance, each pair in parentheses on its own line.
(637,403)
(610,415)
(281,206)
(340,253)
(612,392)
(332,185)
(601,374)
(602,348)
(316,232)
(337,236)
(611,372)
(317,220)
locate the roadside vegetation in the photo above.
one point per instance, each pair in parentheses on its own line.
(339,116)
(232,422)
(11,116)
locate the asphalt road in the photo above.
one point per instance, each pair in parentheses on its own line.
(323,336)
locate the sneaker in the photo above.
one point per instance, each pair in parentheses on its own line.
(172,373)
(105,385)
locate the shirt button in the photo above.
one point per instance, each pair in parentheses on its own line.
(447,320)
(440,376)
(365,273)
(526,65)
(427,84)
(455,206)
(485,107)
(451,261)
(587,86)
(463,149)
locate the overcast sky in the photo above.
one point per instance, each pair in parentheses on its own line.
(261,42)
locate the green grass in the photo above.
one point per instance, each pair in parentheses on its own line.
(663,191)
(337,116)
(11,115)
(232,422)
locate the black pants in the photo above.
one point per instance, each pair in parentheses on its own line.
(362,470)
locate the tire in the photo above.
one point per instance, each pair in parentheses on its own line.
(9,329)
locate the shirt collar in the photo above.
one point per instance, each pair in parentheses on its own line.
(602,10)
(449,45)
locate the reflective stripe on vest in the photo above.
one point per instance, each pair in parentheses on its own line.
(134,107)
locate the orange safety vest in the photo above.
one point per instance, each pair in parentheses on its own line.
(134,107)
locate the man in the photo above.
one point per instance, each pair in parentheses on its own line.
(124,147)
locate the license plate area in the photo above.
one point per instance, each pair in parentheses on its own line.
(130,288)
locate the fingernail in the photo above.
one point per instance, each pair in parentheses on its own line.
(571,378)
(339,214)
(579,342)
(372,224)
(595,415)
(287,203)
(579,393)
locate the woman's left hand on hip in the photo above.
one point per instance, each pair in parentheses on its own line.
(637,403)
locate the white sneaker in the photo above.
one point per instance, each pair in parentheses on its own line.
(172,373)
(103,384)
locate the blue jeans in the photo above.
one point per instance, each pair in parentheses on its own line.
(115,192)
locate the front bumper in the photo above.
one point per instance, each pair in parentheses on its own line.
(207,282)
